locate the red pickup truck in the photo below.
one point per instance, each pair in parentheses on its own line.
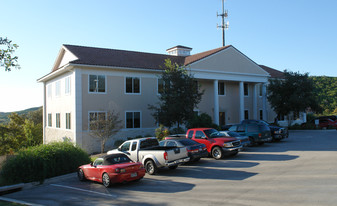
(217,144)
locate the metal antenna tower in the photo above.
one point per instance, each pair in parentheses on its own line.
(225,24)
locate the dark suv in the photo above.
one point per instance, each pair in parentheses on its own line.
(257,133)
(277,132)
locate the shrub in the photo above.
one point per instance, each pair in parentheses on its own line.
(202,120)
(161,132)
(44,161)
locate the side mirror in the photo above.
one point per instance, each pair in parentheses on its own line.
(91,164)
(119,149)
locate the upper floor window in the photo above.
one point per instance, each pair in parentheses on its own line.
(49,90)
(57,88)
(132,85)
(132,119)
(67,85)
(97,83)
(221,88)
(246,89)
(260,89)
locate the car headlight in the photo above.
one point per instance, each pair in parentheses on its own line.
(228,144)
(277,132)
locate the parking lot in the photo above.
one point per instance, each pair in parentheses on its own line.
(300,170)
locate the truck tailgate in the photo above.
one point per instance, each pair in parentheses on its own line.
(176,153)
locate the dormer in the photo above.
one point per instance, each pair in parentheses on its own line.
(179,51)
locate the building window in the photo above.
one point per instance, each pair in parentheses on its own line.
(222,118)
(246,89)
(260,90)
(161,85)
(49,91)
(57,88)
(221,88)
(132,85)
(58,120)
(246,114)
(97,83)
(50,120)
(68,119)
(94,116)
(261,114)
(67,85)
(132,119)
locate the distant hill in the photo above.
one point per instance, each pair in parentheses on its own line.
(4,115)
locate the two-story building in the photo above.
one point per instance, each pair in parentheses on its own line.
(87,82)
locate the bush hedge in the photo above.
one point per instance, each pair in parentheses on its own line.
(43,161)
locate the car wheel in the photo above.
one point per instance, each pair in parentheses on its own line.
(150,167)
(173,167)
(252,142)
(80,175)
(106,180)
(217,153)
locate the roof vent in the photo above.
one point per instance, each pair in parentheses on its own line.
(179,51)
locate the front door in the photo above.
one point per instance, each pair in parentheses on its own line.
(222,119)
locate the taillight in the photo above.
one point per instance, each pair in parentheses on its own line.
(165,156)
(260,135)
(118,170)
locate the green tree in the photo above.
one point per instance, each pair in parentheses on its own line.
(179,96)
(326,89)
(104,127)
(7,49)
(295,93)
(22,131)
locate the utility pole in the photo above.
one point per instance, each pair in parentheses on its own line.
(224,24)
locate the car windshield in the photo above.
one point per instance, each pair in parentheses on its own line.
(116,159)
(233,134)
(187,142)
(213,133)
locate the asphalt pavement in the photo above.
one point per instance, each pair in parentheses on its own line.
(300,170)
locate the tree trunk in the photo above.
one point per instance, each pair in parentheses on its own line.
(102,146)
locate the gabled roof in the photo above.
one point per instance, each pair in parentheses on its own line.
(130,59)
(273,72)
(119,58)
(196,57)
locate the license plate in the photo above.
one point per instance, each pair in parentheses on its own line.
(134,174)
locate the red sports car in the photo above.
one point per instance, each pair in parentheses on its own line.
(109,169)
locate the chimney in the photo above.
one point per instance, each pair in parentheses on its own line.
(179,51)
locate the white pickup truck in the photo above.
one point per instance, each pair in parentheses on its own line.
(153,156)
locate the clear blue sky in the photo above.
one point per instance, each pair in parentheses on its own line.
(297,35)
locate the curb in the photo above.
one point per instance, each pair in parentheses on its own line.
(24,186)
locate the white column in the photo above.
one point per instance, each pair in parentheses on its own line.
(264,101)
(76,87)
(255,101)
(216,102)
(44,110)
(242,103)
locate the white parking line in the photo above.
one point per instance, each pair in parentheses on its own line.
(18,201)
(83,190)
